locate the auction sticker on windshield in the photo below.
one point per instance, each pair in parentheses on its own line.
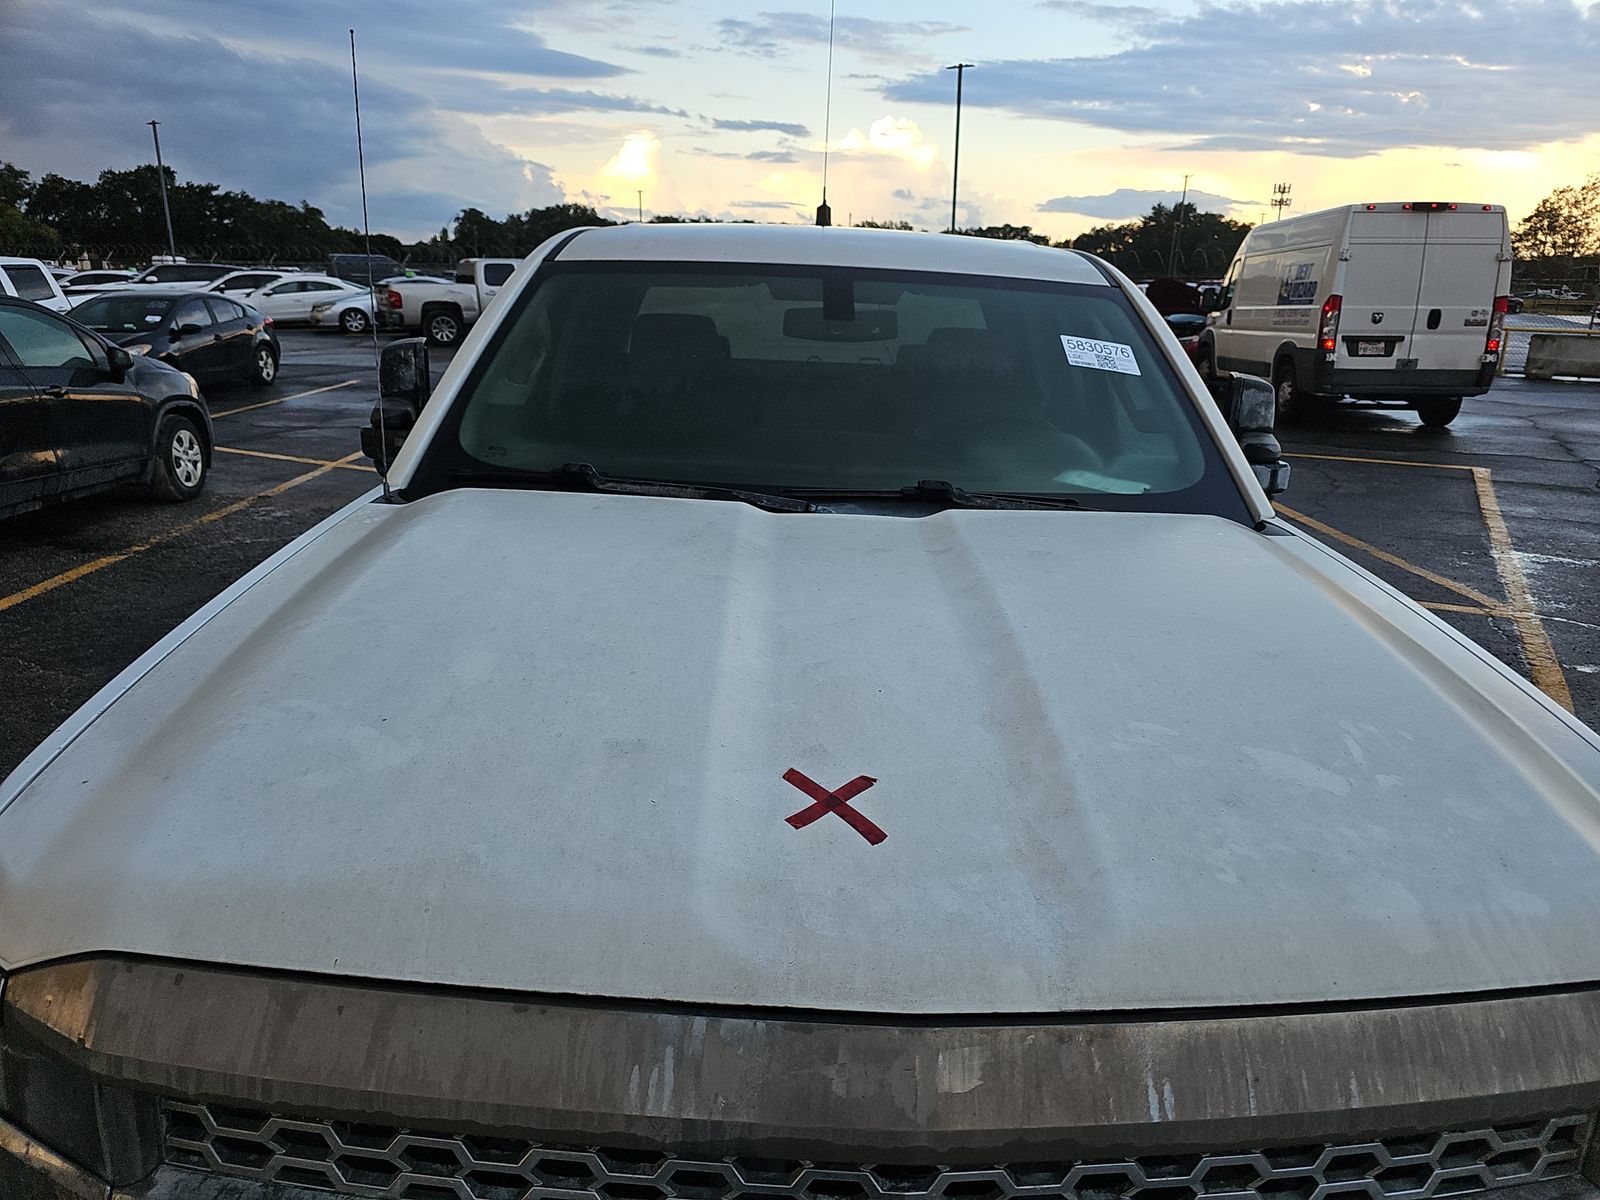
(1100,356)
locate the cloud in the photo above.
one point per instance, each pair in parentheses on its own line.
(1338,78)
(761,156)
(1114,14)
(1126,203)
(653,51)
(772,34)
(635,162)
(276,127)
(890,137)
(478,36)
(784,127)
(768,204)
(564,100)
(905,194)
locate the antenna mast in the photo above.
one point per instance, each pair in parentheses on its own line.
(1280,200)
(824,213)
(366,233)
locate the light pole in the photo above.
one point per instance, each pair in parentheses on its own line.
(161,171)
(641,206)
(961,69)
(1177,224)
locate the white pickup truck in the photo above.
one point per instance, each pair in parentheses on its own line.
(443,310)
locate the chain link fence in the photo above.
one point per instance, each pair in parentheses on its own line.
(1566,306)
(440,259)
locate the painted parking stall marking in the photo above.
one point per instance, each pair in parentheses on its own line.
(838,802)
(1100,356)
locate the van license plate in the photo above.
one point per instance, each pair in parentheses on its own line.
(1372,349)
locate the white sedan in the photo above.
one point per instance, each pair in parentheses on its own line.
(240,284)
(351,313)
(292,299)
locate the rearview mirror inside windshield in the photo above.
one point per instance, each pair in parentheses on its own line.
(869,325)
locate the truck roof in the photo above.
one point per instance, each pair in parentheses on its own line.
(810,245)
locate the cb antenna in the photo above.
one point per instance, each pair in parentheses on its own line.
(366,233)
(824,213)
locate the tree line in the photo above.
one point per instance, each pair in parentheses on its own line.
(1560,238)
(1144,247)
(119,218)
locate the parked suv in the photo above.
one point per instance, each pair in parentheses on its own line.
(163,276)
(30,279)
(80,415)
(364,269)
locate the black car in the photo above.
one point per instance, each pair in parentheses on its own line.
(365,269)
(78,414)
(213,338)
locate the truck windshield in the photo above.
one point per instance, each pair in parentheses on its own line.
(840,381)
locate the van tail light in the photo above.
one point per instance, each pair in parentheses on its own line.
(1328,332)
(395,301)
(1497,325)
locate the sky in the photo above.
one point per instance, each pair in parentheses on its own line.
(1075,112)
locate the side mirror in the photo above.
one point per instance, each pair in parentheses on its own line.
(188,329)
(120,362)
(404,384)
(403,374)
(1249,405)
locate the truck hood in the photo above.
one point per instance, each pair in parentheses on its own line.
(538,741)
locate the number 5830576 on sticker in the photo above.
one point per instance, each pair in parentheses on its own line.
(1100,356)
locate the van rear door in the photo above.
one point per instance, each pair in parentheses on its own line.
(1461,268)
(1381,281)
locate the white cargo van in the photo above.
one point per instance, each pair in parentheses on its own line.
(1400,303)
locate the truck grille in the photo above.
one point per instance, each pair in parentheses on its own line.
(361,1160)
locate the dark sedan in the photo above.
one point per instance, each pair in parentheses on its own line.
(215,339)
(1188,327)
(78,414)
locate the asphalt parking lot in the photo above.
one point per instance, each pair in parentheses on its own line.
(86,587)
(1494,524)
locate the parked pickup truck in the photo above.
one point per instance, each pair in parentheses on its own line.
(442,311)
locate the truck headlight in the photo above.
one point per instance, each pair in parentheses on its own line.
(113,1133)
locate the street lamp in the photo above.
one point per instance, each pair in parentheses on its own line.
(961,69)
(161,172)
(1177,224)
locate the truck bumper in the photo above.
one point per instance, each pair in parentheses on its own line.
(1398,386)
(30,1170)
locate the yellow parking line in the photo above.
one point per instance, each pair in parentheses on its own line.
(332,387)
(1473,609)
(295,458)
(88,568)
(1384,462)
(1543,665)
(1394,560)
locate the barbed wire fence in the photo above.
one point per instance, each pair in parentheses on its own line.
(137,255)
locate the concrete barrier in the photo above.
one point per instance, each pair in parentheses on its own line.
(1552,354)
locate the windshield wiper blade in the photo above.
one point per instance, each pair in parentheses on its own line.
(589,477)
(959,497)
